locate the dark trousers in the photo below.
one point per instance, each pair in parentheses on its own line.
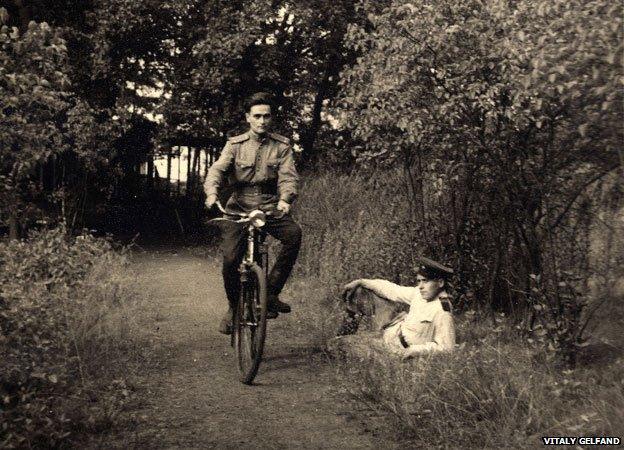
(285,229)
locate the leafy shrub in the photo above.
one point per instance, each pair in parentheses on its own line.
(361,225)
(68,336)
(503,387)
(357,226)
(503,116)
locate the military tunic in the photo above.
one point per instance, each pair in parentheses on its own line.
(261,170)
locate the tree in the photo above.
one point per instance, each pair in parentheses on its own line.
(104,54)
(33,100)
(228,50)
(503,115)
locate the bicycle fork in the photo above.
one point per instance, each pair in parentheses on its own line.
(256,253)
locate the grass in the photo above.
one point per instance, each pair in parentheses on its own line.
(72,340)
(497,390)
(494,392)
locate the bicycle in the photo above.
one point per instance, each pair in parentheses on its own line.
(250,313)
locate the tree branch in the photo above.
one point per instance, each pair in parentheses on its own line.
(577,194)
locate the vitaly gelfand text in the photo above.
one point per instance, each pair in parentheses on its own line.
(581,440)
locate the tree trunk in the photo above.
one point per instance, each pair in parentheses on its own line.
(188,169)
(13,226)
(54,180)
(179,165)
(213,153)
(195,169)
(208,162)
(168,187)
(150,171)
(24,15)
(309,138)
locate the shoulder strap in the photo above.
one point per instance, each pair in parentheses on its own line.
(446,305)
(238,139)
(280,138)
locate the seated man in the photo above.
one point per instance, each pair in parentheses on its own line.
(427,326)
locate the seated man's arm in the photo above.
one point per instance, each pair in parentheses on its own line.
(443,337)
(385,289)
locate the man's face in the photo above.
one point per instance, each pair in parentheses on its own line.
(259,118)
(429,289)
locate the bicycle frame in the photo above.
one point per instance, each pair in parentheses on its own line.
(257,250)
(250,315)
(256,253)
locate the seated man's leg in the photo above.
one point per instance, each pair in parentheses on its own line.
(360,346)
(288,232)
(350,323)
(359,306)
(360,335)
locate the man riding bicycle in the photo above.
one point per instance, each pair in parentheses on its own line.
(260,167)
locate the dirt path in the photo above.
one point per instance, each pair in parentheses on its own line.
(196,400)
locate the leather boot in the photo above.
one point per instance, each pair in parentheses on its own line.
(274,304)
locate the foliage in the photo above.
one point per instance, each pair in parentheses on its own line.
(358,226)
(228,50)
(87,65)
(559,310)
(33,80)
(505,118)
(483,73)
(69,339)
(189,65)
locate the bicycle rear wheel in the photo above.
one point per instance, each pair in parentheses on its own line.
(250,323)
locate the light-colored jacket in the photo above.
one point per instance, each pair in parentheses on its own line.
(427,326)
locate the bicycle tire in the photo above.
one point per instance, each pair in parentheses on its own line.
(250,323)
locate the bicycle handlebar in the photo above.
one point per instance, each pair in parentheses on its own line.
(222,209)
(242,217)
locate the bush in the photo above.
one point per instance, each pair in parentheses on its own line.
(361,225)
(68,338)
(503,387)
(504,117)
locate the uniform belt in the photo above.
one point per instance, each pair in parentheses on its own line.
(256,189)
(402,340)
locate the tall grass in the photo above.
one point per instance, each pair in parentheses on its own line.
(493,392)
(499,389)
(71,339)
(356,226)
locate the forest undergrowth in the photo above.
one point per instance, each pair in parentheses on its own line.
(502,386)
(72,339)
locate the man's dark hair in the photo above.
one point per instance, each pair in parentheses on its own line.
(259,98)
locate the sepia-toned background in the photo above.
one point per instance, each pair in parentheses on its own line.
(486,134)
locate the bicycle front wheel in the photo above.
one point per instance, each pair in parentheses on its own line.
(250,323)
